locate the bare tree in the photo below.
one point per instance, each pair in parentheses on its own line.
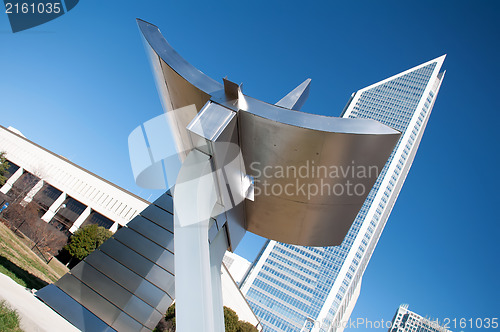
(22,187)
(25,219)
(46,237)
(17,215)
(20,210)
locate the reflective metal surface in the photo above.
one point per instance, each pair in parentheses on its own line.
(73,311)
(139,264)
(270,137)
(127,284)
(115,294)
(131,281)
(159,216)
(297,97)
(152,231)
(87,297)
(302,214)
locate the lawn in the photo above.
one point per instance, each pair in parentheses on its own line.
(22,265)
(9,319)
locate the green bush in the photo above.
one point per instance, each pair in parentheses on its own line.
(246,327)
(170,318)
(167,323)
(9,319)
(87,239)
(4,166)
(230,320)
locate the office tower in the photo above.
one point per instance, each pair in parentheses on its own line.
(236,265)
(294,288)
(407,321)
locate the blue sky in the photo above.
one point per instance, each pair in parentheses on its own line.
(80,84)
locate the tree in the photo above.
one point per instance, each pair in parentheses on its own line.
(230,320)
(17,215)
(4,166)
(22,186)
(46,237)
(170,315)
(167,323)
(87,239)
(246,327)
(25,218)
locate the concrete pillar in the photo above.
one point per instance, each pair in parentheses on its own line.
(10,182)
(54,208)
(81,218)
(114,228)
(29,196)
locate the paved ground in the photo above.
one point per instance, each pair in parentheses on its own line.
(35,315)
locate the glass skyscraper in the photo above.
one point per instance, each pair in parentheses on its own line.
(407,321)
(294,288)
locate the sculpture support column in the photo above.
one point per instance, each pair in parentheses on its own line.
(194,200)
(217,250)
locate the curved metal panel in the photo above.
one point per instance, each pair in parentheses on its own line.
(309,184)
(179,85)
(161,47)
(273,137)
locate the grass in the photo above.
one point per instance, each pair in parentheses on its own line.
(23,265)
(9,319)
(22,277)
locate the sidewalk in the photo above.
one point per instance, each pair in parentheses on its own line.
(35,315)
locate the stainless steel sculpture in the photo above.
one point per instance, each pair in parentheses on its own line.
(227,142)
(271,135)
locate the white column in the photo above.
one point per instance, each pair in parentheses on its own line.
(114,228)
(81,218)
(29,196)
(217,249)
(51,212)
(10,182)
(194,200)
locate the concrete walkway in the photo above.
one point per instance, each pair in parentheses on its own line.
(35,315)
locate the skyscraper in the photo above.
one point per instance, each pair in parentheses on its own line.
(407,321)
(294,288)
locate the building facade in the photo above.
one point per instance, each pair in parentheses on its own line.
(68,196)
(236,265)
(407,321)
(294,288)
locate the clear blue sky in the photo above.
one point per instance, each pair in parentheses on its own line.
(80,84)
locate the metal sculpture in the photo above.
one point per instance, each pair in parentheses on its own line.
(225,142)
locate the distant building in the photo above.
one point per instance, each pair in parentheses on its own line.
(407,321)
(236,265)
(68,196)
